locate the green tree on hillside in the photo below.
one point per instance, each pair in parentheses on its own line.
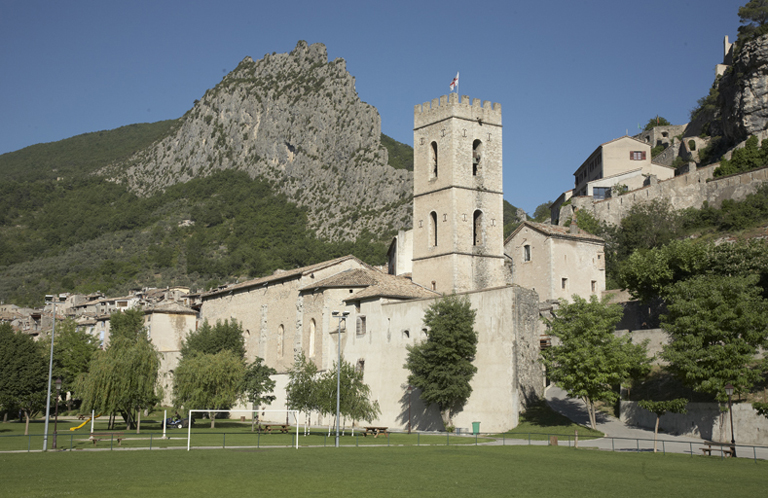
(754,12)
(718,325)
(656,121)
(441,367)
(590,359)
(542,212)
(745,158)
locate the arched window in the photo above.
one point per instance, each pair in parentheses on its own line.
(312,327)
(280,340)
(477,154)
(477,228)
(433,229)
(433,158)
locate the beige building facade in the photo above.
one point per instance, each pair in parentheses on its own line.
(625,161)
(556,262)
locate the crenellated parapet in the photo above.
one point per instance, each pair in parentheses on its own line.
(449,106)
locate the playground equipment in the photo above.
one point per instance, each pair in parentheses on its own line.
(87,420)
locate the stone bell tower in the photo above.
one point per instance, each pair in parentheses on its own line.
(458,228)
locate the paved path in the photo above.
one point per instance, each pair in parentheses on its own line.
(622,437)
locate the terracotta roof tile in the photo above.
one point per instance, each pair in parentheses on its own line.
(554,231)
(281,275)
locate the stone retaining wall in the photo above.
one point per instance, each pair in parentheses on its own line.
(704,420)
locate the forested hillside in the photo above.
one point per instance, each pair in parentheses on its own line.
(89,234)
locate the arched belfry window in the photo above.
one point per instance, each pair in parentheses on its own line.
(477,228)
(433,229)
(433,158)
(477,155)
(280,340)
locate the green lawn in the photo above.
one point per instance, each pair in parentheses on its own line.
(540,421)
(372,472)
(227,433)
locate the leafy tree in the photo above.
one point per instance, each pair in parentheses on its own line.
(590,359)
(745,158)
(659,408)
(123,378)
(23,373)
(761,408)
(755,12)
(587,222)
(717,325)
(542,212)
(257,385)
(72,353)
(355,399)
(441,367)
(208,381)
(656,121)
(647,225)
(227,335)
(648,273)
(301,391)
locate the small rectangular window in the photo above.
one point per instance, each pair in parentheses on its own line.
(526,252)
(637,155)
(594,286)
(360,325)
(564,283)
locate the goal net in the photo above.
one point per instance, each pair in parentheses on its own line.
(295,417)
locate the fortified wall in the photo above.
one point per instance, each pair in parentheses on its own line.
(691,189)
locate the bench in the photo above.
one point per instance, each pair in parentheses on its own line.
(284,428)
(728,451)
(375,431)
(98,436)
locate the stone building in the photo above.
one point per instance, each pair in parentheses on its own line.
(555,261)
(456,246)
(622,161)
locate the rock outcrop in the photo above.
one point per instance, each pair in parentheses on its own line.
(296,120)
(744,92)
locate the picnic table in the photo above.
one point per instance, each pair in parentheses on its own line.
(284,428)
(375,431)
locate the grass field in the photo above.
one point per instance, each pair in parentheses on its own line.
(373,472)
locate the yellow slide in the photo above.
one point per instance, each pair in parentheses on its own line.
(88,420)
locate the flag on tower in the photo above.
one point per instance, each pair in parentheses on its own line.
(455,83)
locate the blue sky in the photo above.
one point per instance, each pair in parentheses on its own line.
(569,75)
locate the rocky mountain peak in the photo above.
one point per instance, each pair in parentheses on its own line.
(296,120)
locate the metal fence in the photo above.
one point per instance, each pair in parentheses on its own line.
(117,440)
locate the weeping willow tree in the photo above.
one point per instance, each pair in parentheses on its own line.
(123,378)
(208,381)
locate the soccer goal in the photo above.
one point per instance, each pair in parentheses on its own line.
(191,418)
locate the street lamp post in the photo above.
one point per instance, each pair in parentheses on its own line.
(729,392)
(56,419)
(342,317)
(49,299)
